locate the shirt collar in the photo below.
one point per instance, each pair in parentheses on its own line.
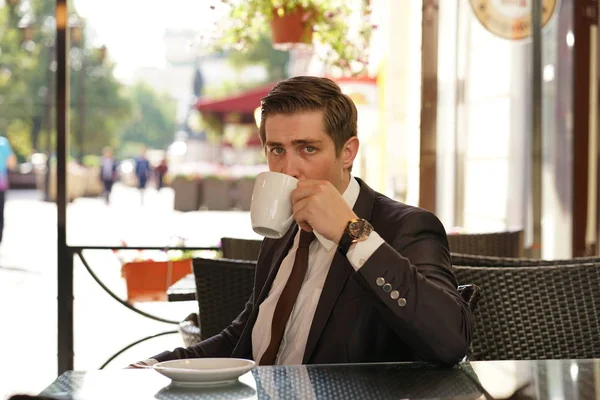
(350,195)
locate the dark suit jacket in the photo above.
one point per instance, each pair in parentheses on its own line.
(356,321)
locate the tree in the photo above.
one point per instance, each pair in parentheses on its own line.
(153,121)
(16,69)
(263,53)
(27,85)
(99,106)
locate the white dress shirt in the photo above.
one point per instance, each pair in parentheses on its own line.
(320,256)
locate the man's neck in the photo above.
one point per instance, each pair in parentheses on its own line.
(345,182)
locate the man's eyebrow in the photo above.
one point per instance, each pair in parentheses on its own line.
(270,143)
(295,142)
(306,141)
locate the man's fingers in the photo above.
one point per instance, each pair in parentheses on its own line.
(305,227)
(299,205)
(299,211)
(310,182)
(303,192)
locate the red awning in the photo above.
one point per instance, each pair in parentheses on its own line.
(245,102)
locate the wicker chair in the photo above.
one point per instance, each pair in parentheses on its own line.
(469,260)
(497,244)
(234,249)
(240,249)
(223,287)
(470,294)
(544,312)
(189,329)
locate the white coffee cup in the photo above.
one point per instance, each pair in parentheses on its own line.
(271,206)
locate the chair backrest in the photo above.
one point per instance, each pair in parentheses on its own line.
(470,294)
(547,312)
(223,287)
(498,244)
(240,249)
(470,260)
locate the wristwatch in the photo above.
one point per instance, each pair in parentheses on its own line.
(357,230)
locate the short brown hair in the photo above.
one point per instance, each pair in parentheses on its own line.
(310,93)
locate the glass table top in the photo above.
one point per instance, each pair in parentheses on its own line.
(553,379)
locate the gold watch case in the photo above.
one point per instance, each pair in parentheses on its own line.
(359,229)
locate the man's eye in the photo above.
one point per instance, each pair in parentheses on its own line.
(277,150)
(310,149)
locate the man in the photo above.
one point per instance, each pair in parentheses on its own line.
(378,285)
(142,172)
(7,161)
(108,172)
(161,172)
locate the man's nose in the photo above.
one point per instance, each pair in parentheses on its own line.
(290,167)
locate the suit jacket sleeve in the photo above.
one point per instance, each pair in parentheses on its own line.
(219,346)
(415,260)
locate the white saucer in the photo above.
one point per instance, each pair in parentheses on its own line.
(204,371)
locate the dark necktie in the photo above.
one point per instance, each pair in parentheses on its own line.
(286,301)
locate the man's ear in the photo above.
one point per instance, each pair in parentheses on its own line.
(349,151)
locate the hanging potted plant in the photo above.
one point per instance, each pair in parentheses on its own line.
(340,38)
(289,28)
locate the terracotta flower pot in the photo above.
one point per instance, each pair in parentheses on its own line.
(290,30)
(149,280)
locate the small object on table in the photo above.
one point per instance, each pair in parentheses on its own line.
(204,371)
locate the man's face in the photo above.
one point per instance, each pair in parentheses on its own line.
(297,145)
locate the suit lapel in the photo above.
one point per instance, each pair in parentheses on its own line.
(339,272)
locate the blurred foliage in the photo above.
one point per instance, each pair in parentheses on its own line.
(262,53)
(91,160)
(327,23)
(102,109)
(153,120)
(129,149)
(17,134)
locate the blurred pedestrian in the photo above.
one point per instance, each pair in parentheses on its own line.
(108,172)
(161,171)
(7,161)
(142,172)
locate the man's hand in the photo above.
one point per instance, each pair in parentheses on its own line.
(319,206)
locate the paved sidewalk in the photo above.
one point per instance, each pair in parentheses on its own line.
(102,326)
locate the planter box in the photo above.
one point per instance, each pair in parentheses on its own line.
(149,280)
(187,194)
(76,182)
(244,189)
(216,194)
(93,186)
